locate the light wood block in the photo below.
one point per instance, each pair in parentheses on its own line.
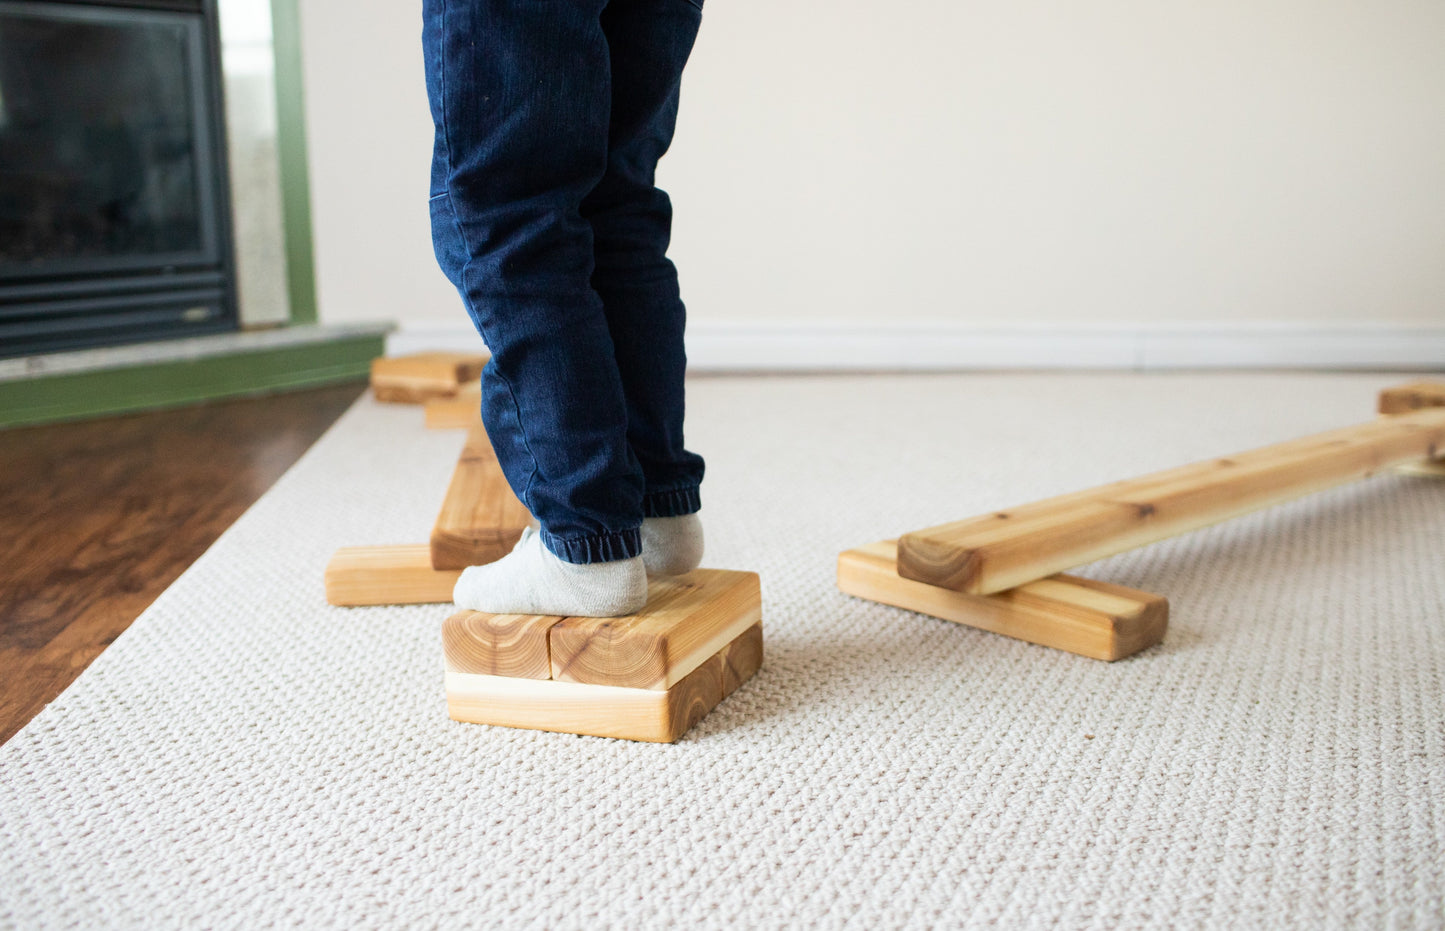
(1009,548)
(498,644)
(415,378)
(456,413)
(387,575)
(1412,397)
(605,710)
(481,519)
(688,618)
(1082,616)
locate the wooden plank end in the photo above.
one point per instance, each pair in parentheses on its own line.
(383,575)
(1093,619)
(513,645)
(1412,397)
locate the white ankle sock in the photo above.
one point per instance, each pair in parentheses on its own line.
(671,545)
(531,580)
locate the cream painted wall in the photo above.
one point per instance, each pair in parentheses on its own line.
(1033,162)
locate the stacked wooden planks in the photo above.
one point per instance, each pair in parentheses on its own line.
(649,676)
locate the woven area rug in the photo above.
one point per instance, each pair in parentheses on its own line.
(247,756)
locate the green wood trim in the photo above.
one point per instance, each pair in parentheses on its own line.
(291,155)
(173,383)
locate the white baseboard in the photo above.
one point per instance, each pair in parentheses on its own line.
(815,347)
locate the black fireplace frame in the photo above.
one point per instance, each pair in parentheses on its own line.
(77,303)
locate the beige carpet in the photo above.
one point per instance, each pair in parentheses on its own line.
(246,756)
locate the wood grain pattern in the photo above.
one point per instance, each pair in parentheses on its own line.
(387,575)
(415,378)
(1006,549)
(688,618)
(497,644)
(456,413)
(1412,397)
(480,519)
(1093,619)
(605,710)
(98,517)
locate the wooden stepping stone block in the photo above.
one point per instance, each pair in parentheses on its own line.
(650,676)
(415,378)
(481,518)
(1093,619)
(387,575)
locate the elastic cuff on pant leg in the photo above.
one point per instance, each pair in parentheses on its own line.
(605,547)
(672,503)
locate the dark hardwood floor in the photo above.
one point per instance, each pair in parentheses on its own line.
(98,518)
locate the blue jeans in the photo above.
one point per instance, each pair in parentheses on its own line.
(550,118)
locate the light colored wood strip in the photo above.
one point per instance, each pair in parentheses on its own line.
(387,575)
(1411,397)
(415,378)
(605,710)
(1093,619)
(480,519)
(687,619)
(1425,468)
(1006,552)
(497,644)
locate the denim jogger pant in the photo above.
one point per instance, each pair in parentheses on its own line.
(550,119)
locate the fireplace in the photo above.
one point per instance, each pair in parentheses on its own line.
(114,212)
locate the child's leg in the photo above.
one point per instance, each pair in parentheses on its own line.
(649,42)
(520,94)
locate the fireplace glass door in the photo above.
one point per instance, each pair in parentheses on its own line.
(112,201)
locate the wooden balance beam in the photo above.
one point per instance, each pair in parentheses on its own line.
(999,551)
(998,571)
(481,518)
(649,676)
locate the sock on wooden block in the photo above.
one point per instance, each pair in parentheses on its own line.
(531,580)
(671,545)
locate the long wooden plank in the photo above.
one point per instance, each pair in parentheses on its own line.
(1009,548)
(387,575)
(1008,520)
(605,710)
(415,378)
(498,644)
(1094,619)
(687,619)
(480,519)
